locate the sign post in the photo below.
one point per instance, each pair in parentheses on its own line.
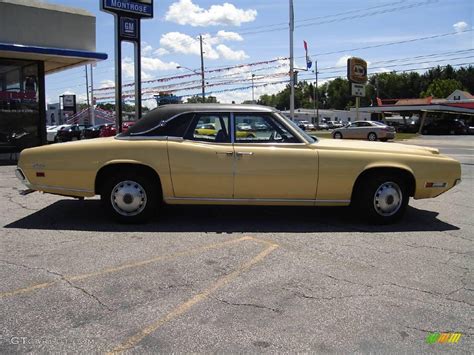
(128,14)
(357,76)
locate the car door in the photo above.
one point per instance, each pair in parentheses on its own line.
(201,162)
(272,163)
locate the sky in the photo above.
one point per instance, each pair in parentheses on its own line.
(239,33)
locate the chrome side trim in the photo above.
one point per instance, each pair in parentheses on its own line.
(252,200)
(143,138)
(48,187)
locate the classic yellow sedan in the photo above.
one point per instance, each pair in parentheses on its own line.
(162,159)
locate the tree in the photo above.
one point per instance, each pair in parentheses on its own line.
(441,88)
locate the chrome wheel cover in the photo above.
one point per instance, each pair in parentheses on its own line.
(372,137)
(128,198)
(388,199)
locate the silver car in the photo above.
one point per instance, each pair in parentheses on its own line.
(370,130)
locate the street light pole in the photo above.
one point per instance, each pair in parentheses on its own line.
(253,89)
(316,96)
(203,83)
(292,74)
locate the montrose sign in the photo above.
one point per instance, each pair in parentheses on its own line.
(127,14)
(142,8)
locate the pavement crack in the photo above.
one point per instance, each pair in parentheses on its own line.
(62,278)
(330,298)
(276,310)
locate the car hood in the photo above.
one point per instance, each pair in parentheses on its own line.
(379,147)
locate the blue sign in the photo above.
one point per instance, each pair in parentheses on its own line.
(129,27)
(142,8)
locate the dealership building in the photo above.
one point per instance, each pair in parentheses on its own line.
(36,39)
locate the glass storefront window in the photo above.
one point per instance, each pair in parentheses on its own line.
(19,105)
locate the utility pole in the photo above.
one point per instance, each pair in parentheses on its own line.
(253,89)
(87,87)
(292,77)
(203,82)
(92,96)
(316,93)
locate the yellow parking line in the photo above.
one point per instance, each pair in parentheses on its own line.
(184,307)
(126,266)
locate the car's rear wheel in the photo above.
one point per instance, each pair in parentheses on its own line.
(337,135)
(372,136)
(382,199)
(130,198)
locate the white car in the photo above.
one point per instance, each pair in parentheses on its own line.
(51,133)
(307,125)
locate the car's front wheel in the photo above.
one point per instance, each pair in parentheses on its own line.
(383,199)
(130,198)
(337,135)
(372,136)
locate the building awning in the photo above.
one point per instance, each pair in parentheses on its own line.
(55,59)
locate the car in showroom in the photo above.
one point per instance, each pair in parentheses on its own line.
(162,159)
(370,130)
(71,133)
(52,132)
(93,131)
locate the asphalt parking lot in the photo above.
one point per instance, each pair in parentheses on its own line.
(240,279)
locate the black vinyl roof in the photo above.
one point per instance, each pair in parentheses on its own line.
(163,113)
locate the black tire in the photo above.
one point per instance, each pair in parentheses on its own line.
(381,198)
(337,135)
(129,190)
(372,136)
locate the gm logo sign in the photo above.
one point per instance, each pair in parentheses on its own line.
(129,27)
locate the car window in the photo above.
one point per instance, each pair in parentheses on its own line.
(257,128)
(175,127)
(210,128)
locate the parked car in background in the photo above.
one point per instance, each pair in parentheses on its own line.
(71,133)
(445,126)
(108,131)
(111,130)
(334,124)
(52,133)
(370,130)
(282,165)
(93,131)
(305,125)
(322,126)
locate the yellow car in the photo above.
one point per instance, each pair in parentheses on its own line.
(163,159)
(209,129)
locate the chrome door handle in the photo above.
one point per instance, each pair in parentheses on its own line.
(244,153)
(226,153)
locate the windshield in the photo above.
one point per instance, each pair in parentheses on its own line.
(296,128)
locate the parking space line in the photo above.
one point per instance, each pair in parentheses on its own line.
(184,307)
(127,266)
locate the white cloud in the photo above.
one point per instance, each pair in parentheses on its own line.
(460,26)
(229,36)
(230,54)
(178,42)
(107,83)
(342,62)
(185,12)
(146,48)
(161,51)
(150,65)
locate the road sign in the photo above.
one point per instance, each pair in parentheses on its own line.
(137,8)
(358,90)
(357,70)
